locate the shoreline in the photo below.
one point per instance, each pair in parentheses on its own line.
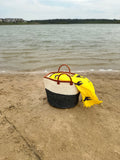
(20,21)
(45,71)
(31,129)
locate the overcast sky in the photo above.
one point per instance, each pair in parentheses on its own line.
(52,9)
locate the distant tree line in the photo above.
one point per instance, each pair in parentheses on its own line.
(59,21)
(74,21)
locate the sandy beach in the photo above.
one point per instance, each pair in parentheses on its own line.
(30,129)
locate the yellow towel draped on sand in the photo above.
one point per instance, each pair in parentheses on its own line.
(83,84)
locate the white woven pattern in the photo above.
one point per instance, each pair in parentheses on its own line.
(62,88)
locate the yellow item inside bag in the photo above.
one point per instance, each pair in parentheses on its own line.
(83,84)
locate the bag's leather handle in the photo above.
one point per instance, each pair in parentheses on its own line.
(66,66)
(58,81)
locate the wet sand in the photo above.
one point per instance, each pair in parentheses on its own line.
(30,129)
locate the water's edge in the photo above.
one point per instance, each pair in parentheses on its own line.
(45,72)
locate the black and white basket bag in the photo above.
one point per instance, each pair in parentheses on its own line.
(61,94)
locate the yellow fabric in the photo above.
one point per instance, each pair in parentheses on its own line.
(84,85)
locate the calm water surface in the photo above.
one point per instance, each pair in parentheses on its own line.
(45,47)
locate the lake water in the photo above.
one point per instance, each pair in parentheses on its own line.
(40,48)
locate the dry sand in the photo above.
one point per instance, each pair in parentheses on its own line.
(30,129)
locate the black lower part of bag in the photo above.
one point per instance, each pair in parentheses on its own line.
(62,101)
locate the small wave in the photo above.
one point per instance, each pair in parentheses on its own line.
(99,70)
(2,71)
(108,70)
(23,72)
